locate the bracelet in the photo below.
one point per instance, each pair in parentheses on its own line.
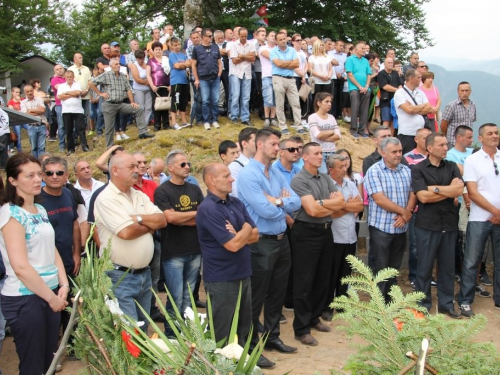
(65,285)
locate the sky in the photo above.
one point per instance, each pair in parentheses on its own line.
(459,27)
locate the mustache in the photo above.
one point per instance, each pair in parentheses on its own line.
(135,175)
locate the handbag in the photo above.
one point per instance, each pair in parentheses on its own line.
(304,91)
(163,103)
(428,123)
(13,136)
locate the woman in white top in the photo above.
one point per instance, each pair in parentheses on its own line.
(321,69)
(300,74)
(36,287)
(323,127)
(140,84)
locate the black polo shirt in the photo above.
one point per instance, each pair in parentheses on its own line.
(439,216)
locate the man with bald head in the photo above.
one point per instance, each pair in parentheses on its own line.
(225,230)
(126,219)
(156,172)
(103,61)
(84,181)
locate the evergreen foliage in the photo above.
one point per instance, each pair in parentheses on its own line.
(391,330)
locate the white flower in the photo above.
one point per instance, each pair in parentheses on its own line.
(231,351)
(114,308)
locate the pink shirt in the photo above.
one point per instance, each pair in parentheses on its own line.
(56,81)
(432,95)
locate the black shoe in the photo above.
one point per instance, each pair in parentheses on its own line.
(263,362)
(282,319)
(145,136)
(157,316)
(327,316)
(451,313)
(70,152)
(260,328)
(201,305)
(85,149)
(247,123)
(72,356)
(279,346)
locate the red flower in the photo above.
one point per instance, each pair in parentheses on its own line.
(131,347)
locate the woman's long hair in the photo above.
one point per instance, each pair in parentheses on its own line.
(13,169)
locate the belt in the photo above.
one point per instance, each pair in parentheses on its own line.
(278,75)
(277,237)
(315,225)
(132,271)
(115,101)
(37,124)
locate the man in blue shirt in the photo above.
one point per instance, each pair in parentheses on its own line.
(284,60)
(289,154)
(359,76)
(224,231)
(270,202)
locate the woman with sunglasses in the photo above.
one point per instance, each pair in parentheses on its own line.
(323,127)
(36,287)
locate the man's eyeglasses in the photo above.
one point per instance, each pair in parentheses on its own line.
(292,149)
(423,66)
(183,164)
(298,40)
(51,173)
(496,168)
(209,36)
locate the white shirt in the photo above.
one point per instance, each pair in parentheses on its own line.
(235,169)
(265,62)
(321,65)
(4,122)
(244,68)
(71,105)
(87,194)
(344,227)
(479,168)
(82,76)
(409,124)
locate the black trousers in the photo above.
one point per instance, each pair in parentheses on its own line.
(340,269)
(161,117)
(441,246)
(78,119)
(271,262)
(225,82)
(338,86)
(223,298)
(312,257)
(386,250)
(407,142)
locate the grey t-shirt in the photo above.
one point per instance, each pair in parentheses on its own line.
(319,186)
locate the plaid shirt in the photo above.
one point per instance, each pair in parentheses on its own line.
(115,85)
(457,114)
(395,185)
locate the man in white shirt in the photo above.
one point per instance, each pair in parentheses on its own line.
(69,93)
(267,80)
(340,57)
(411,105)
(82,76)
(37,132)
(84,181)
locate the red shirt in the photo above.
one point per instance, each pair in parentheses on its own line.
(14,104)
(148,188)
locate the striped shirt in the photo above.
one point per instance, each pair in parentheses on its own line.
(395,185)
(244,68)
(456,113)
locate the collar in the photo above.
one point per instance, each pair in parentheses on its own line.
(217,199)
(427,163)
(281,167)
(258,165)
(485,155)
(384,166)
(344,182)
(78,186)
(285,51)
(115,190)
(309,175)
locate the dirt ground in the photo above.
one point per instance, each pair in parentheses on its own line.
(331,353)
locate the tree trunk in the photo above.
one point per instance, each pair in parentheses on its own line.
(193,15)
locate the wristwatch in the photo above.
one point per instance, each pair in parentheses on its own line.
(436,190)
(320,202)
(279,202)
(139,219)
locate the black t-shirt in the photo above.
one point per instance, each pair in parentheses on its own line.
(178,240)
(62,214)
(385,78)
(102,60)
(438,216)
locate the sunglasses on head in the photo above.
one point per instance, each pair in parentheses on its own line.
(292,149)
(183,164)
(51,173)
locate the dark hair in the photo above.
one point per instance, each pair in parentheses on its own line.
(55,160)
(263,134)
(320,96)
(429,141)
(410,73)
(245,135)
(205,30)
(427,75)
(139,54)
(463,83)
(372,56)
(153,31)
(461,129)
(174,40)
(397,62)
(480,131)
(35,80)
(349,170)
(296,139)
(225,145)
(156,45)
(13,169)
(309,145)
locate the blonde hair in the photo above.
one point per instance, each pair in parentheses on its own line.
(316,50)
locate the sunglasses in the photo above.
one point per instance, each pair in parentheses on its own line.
(496,168)
(183,164)
(292,149)
(423,66)
(298,40)
(51,173)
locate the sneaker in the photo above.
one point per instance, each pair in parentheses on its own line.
(457,278)
(284,130)
(186,125)
(176,127)
(364,135)
(481,292)
(413,285)
(354,134)
(125,136)
(118,137)
(434,283)
(466,311)
(301,131)
(58,366)
(206,125)
(282,319)
(274,122)
(347,119)
(485,280)
(52,139)
(267,123)
(215,125)
(91,132)
(234,120)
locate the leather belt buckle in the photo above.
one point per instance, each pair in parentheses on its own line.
(279,237)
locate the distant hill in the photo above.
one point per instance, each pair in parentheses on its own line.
(487,66)
(484,90)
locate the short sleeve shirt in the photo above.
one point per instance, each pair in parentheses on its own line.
(409,124)
(360,68)
(288,55)
(71,105)
(318,125)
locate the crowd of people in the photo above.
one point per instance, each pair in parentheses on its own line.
(280,215)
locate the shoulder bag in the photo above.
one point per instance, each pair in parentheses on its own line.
(163,103)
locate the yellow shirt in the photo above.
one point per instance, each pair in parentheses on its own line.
(82,76)
(112,212)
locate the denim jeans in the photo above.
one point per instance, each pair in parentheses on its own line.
(210,93)
(240,97)
(475,241)
(268,92)
(179,272)
(61,131)
(133,288)
(37,135)
(100,117)
(17,130)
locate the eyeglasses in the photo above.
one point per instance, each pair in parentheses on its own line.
(423,66)
(496,168)
(51,173)
(183,164)
(292,149)
(298,40)
(209,36)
